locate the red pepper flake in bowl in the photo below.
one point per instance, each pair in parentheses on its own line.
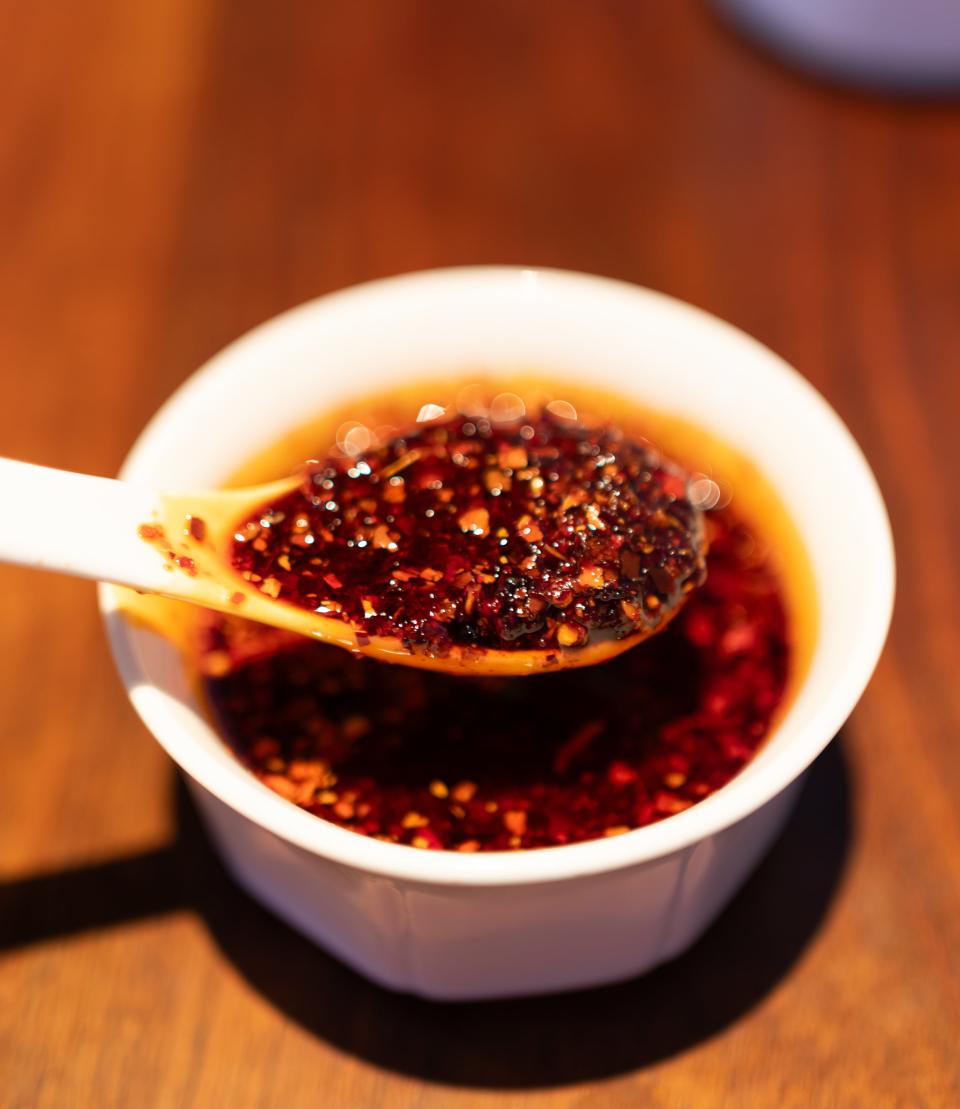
(492,764)
(534,534)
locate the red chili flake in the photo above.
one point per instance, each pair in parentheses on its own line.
(739,639)
(464,791)
(150,533)
(515,821)
(197,528)
(621,774)
(480,764)
(673,486)
(427,840)
(280,784)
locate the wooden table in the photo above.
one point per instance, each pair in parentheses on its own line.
(171,174)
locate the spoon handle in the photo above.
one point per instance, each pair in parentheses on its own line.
(80,525)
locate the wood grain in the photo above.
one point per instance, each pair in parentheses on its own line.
(173,174)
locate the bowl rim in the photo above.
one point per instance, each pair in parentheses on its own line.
(240,791)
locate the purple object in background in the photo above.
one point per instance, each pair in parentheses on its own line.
(904,44)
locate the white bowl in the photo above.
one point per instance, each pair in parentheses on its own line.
(447,925)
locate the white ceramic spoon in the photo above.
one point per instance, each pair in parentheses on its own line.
(175,544)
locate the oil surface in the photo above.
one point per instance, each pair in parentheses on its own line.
(443,762)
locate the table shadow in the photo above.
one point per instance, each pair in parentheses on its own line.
(520,1044)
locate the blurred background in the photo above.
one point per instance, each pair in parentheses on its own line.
(172,174)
